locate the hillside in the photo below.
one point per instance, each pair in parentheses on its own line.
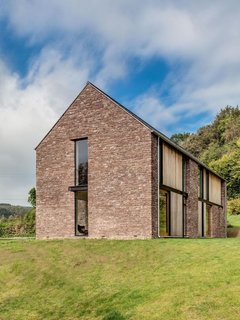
(218,146)
(170,279)
(8,210)
(16,221)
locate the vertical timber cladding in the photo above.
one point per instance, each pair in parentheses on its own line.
(203,194)
(215,185)
(172,179)
(172,168)
(210,195)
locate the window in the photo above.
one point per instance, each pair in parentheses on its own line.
(207,222)
(172,180)
(81,191)
(81,204)
(164,213)
(81,162)
(200,182)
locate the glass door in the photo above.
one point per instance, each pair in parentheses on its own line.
(81,214)
(164,216)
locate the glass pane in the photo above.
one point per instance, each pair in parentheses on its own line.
(200,182)
(176,214)
(81,162)
(207,221)
(163,213)
(81,213)
(200,219)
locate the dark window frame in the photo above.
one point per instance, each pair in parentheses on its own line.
(169,189)
(76,213)
(168,213)
(75,163)
(77,188)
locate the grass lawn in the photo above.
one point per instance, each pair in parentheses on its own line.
(115,280)
(234,222)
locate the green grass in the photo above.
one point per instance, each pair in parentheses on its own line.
(117,280)
(234,220)
(233,225)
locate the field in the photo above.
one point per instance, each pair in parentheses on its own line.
(117,280)
(234,223)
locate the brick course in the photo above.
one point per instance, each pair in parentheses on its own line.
(191,216)
(218,217)
(155,188)
(120,179)
(122,175)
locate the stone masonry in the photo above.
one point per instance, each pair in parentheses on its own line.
(123,175)
(120,202)
(191,218)
(218,218)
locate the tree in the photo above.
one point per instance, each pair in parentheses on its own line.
(179,138)
(32,197)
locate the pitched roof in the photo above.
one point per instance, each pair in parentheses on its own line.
(147,125)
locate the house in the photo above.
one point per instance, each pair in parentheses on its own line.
(102,172)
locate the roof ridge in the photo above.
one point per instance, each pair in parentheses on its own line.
(143,122)
(157,132)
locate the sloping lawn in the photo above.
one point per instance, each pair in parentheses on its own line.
(234,225)
(117,280)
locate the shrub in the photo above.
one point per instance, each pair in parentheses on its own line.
(233,206)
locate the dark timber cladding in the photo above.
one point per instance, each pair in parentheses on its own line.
(102,172)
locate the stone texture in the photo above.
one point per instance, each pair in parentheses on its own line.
(120,180)
(191,208)
(218,222)
(155,188)
(122,175)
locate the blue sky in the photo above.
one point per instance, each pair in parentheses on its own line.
(175,63)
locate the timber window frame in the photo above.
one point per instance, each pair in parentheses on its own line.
(173,191)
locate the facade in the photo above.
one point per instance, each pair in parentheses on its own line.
(102,172)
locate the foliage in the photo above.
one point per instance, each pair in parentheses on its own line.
(170,279)
(179,138)
(218,146)
(32,197)
(18,221)
(18,226)
(8,210)
(233,207)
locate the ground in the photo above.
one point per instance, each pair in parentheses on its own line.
(233,225)
(117,280)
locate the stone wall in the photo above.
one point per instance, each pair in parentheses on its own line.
(218,223)
(122,175)
(120,179)
(155,186)
(191,208)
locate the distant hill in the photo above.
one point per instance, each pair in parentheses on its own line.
(7,210)
(218,146)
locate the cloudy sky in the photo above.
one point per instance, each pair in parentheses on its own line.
(174,63)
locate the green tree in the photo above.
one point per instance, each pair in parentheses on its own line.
(179,138)
(218,146)
(32,197)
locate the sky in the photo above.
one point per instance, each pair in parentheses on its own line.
(173,63)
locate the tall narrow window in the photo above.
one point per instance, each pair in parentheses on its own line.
(200,182)
(82,162)
(81,193)
(164,217)
(81,224)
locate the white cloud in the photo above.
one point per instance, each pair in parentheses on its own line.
(199,40)
(28,109)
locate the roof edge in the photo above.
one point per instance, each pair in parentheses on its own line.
(144,123)
(61,116)
(158,133)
